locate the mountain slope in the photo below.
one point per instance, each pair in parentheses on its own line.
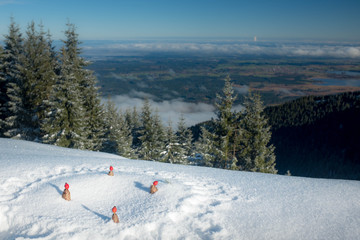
(192,202)
(317,136)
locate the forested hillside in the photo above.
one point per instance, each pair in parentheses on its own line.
(318,136)
(51,97)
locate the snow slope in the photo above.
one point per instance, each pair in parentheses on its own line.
(192,202)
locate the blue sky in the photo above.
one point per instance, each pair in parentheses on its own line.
(331,20)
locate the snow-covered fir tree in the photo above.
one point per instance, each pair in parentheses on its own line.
(125,139)
(38,71)
(3,94)
(64,125)
(118,138)
(256,154)
(171,145)
(205,148)
(159,137)
(151,134)
(65,121)
(133,121)
(146,132)
(112,132)
(184,139)
(93,110)
(14,116)
(224,125)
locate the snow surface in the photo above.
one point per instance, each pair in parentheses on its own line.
(192,202)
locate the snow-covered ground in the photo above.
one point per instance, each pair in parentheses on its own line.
(192,202)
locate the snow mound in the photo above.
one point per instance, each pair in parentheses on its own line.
(192,202)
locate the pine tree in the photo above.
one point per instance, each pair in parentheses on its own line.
(117,138)
(64,124)
(224,125)
(205,148)
(184,138)
(159,137)
(112,132)
(14,117)
(37,69)
(146,132)
(133,121)
(171,145)
(256,153)
(151,134)
(125,139)
(3,88)
(93,110)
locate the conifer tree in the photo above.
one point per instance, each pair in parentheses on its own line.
(133,121)
(64,124)
(171,145)
(13,116)
(206,148)
(256,153)
(159,137)
(39,76)
(224,125)
(112,132)
(151,134)
(184,138)
(146,132)
(125,139)
(3,88)
(93,110)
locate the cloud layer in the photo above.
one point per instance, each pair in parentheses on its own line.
(169,110)
(337,50)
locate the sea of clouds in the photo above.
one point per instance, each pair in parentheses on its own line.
(230,47)
(170,111)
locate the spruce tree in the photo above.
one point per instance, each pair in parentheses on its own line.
(146,132)
(38,71)
(159,137)
(112,132)
(86,81)
(151,134)
(184,139)
(94,111)
(125,139)
(64,124)
(133,121)
(224,125)
(171,145)
(256,153)
(14,116)
(3,95)
(205,148)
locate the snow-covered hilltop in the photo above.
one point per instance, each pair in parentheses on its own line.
(192,202)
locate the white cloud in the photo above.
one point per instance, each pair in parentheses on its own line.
(168,110)
(244,89)
(234,47)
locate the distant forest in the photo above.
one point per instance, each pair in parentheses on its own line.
(318,136)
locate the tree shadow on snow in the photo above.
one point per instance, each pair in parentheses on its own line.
(142,186)
(56,188)
(103,217)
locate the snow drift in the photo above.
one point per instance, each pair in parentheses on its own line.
(192,202)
